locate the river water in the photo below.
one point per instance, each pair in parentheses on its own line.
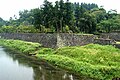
(14,66)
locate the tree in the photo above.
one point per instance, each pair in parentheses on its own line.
(61,15)
(88,23)
(47,13)
(26,16)
(99,13)
(56,16)
(2,22)
(110,25)
(79,12)
(37,18)
(69,17)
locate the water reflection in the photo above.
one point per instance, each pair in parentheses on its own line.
(36,70)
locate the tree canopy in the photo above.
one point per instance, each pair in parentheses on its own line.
(64,16)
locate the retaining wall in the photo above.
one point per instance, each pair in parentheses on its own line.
(52,40)
(115,36)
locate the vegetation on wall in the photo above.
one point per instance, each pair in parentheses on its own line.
(93,60)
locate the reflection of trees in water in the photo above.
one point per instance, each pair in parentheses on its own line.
(42,71)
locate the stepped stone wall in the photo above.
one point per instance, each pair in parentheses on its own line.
(52,40)
(56,40)
(114,35)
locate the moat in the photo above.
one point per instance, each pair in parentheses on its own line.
(14,66)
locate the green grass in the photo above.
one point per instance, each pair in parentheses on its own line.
(93,60)
(22,46)
(92,53)
(96,61)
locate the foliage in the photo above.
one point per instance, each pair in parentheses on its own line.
(7,29)
(45,51)
(26,29)
(22,46)
(54,18)
(49,18)
(66,29)
(2,22)
(97,61)
(112,24)
(19,29)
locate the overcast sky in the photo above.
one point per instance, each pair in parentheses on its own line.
(10,7)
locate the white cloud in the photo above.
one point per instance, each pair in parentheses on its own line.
(10,7)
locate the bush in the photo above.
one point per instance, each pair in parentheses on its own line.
(7,29)
(27,29)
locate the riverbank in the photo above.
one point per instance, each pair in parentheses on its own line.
(93,60)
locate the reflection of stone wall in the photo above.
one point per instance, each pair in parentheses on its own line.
(52,40)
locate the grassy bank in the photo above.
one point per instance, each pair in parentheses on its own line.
(21,46)
(97,61)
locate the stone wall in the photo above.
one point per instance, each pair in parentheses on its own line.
(52,40)
(74,39)
(114,36)
(47,40)
(103,41)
